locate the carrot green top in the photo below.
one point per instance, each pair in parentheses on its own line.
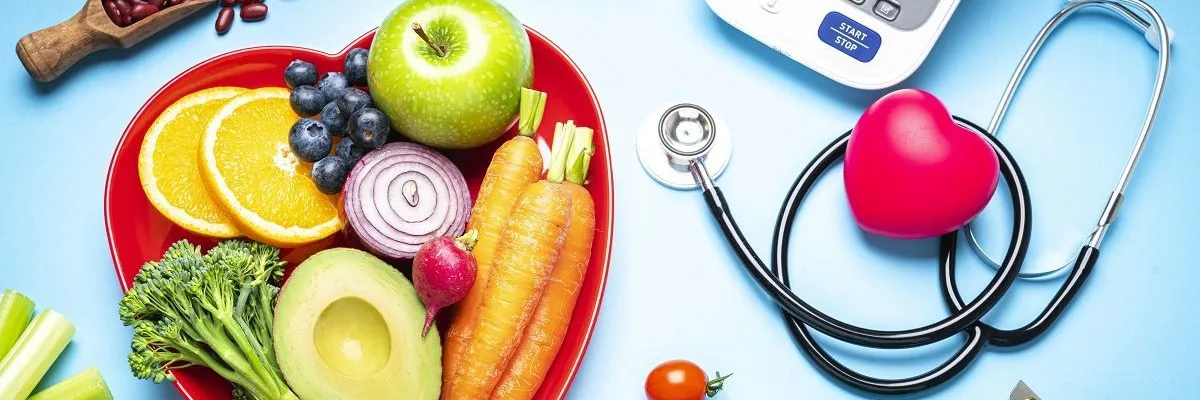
(571,153)
(563,134)
(533,105)
(580,156)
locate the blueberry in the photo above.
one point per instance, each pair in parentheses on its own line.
(352,100)
(330,174)
(349,151)
(332,84)
(310,139)
(333,118)
(368,127)
(307,100)
(356,66)
(300,73)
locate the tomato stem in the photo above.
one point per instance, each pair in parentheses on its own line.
(716,384)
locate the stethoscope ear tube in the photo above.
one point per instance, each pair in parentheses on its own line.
(1159,35)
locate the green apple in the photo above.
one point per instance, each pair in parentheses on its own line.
(449,73)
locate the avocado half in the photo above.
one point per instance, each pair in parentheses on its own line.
(348,326)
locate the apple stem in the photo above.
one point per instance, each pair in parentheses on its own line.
(437,48)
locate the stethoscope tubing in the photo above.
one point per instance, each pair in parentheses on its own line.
(1085,261)
(799,309)
(978,334)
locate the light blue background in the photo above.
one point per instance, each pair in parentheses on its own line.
(674,289)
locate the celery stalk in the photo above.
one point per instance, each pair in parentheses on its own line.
(86,385)
(15,311)
(533,105)
(35,351)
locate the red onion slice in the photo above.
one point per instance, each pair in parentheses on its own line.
(403,194)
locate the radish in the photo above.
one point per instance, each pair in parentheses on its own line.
(443,271)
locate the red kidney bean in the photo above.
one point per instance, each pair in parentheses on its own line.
(126,12)
(110,8)
(124,6)
(254,12)
(142,10)
(224,19)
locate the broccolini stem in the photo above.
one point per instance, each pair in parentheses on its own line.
(256,358)
(266,309)
(241,378)
(200,356)
(263,358)
(224,315)
(264,322)
(212,334)
(243,295)
(242,367)
(265,352)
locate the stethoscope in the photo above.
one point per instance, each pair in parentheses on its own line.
(687,142)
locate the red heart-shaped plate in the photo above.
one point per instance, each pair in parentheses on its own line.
(138,233)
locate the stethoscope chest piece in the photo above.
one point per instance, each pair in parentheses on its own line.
(673,136)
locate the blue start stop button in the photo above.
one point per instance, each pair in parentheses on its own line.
(849,36)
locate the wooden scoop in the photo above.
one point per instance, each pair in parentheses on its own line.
(49,52)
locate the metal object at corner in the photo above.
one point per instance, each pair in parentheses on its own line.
(1023,392)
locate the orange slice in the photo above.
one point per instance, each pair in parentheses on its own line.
(251,171)
(168,164)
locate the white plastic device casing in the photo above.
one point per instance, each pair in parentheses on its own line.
(791,28)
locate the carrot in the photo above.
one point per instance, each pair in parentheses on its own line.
(525,257)
(515,165)
(546,331)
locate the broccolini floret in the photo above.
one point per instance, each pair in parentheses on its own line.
(213,310)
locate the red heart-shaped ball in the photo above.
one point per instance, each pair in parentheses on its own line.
(911,172)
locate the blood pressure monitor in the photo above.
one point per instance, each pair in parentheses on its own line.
(867,44)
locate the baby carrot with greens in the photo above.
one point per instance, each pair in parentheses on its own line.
(515,165)
(525,257)
(548,328)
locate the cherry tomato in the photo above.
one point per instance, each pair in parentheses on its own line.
(681,380)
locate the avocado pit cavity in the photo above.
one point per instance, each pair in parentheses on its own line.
(352,338)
